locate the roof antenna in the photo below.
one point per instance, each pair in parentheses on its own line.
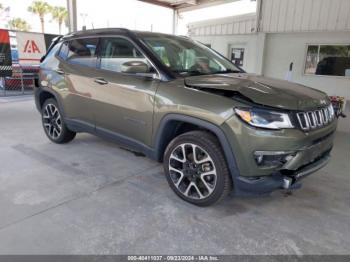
(92,24)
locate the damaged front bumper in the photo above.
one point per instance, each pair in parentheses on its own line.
(281,180)
(297,155)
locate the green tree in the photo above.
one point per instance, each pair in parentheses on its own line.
(18,24)
(40,8)
(59,14)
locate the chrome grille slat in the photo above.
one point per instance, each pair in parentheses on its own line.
(325,115)
(311,118)
(319,118)
(315,119)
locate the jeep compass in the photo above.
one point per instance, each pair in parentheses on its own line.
(216,128)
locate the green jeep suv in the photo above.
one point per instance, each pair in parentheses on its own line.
(216,128)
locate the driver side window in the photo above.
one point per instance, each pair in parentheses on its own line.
(116,51)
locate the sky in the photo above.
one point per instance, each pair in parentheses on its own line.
(18,8)
(130,14)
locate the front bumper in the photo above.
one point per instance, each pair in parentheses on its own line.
(282,180)
(311,151)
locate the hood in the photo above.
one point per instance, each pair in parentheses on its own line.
(261,90)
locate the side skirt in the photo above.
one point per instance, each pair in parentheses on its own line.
(124,141)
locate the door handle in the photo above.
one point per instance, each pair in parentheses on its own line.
(101,81)
(59,71)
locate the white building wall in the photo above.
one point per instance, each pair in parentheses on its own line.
(282,49)
(252,44)
(305,15)
(242,24)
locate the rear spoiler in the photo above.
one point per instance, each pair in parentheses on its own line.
(53,43)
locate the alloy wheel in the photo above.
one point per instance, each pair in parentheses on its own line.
(52,121)
(192,171)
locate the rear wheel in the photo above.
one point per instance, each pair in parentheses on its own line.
(53,123)
(196,168)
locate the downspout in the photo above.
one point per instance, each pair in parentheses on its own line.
(259,67)
(258,15)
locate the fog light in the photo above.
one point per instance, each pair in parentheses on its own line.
(272,158)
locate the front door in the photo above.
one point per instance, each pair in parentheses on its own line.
(123,101)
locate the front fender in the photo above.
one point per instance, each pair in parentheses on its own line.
(164,130)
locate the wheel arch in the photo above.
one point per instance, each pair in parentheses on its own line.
(41,95)
(45,95)
(168,127)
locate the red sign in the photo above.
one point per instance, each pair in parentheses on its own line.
(5,54)
(31,47)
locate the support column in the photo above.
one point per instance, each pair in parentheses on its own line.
(175,21)
(72,15)
(260,57)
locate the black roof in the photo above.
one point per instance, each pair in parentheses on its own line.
(100,31)
(111,31)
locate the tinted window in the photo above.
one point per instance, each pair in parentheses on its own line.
(333,60)
(63,51)
(83,51)
(117,51)
(48,62)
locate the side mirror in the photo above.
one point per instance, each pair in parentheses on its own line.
(135,67)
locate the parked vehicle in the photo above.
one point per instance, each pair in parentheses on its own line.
(216,128)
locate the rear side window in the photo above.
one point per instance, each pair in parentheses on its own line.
(47,61)
(81,51)
(116,51)
(63,51)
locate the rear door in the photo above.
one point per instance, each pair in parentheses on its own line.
(124,101)
(78,60)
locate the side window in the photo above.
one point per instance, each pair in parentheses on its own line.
(82,51)
(118,51)
(63,51)
(48,61)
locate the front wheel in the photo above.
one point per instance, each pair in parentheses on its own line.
(53,123)
(196,168)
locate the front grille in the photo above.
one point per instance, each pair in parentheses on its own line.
(316,119)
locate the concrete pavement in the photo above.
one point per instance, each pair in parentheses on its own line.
(92,197)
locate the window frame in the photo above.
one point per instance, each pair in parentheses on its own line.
(98,64)
(319,47)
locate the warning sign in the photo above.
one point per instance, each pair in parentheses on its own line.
(31,47)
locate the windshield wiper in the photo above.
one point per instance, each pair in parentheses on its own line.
(189,73)
(227,72)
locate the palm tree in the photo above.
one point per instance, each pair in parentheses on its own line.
(40,8)
(18,24)
(60,14)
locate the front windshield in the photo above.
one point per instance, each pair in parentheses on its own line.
(185,57)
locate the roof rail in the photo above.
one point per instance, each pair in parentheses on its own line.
(97,31)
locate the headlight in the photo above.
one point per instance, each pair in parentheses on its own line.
(264,118)
(331,112)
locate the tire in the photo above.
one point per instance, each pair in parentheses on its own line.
(202,180)
(53,123)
